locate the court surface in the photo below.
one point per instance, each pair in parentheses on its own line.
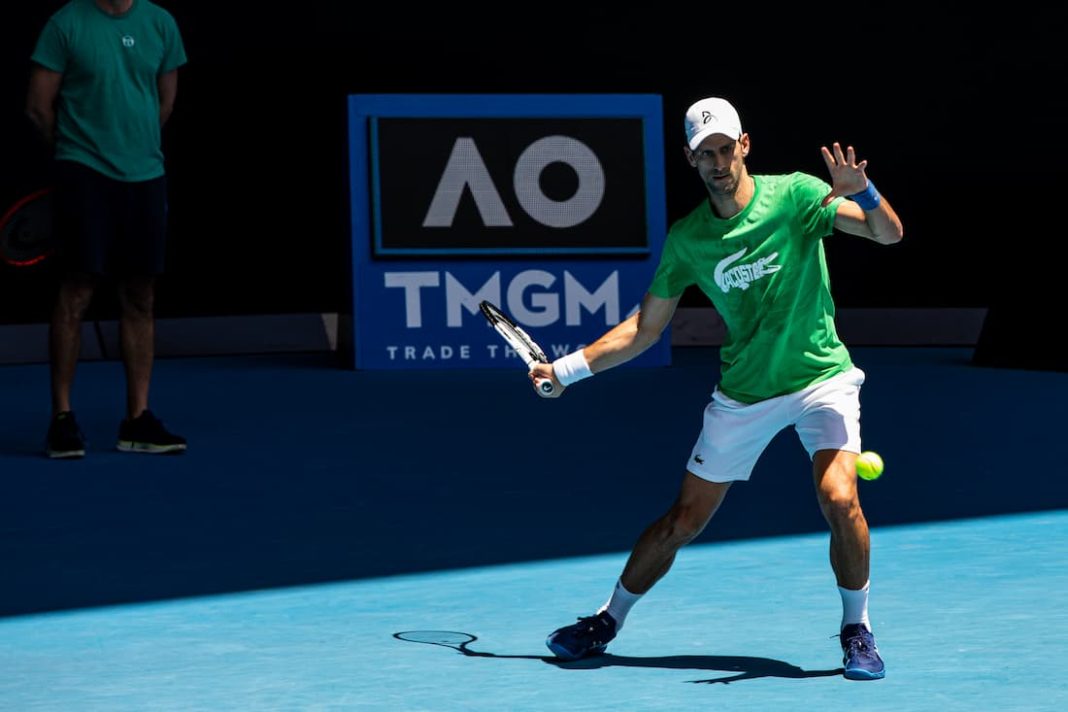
(319,512)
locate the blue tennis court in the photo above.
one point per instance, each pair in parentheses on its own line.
(320,512)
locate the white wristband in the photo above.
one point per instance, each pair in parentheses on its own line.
(571,368)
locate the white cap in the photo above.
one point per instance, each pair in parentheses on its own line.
(711,116)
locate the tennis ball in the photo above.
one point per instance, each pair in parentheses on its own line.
(869,465)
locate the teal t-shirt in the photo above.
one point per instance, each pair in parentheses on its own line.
(765,271)
(108,109)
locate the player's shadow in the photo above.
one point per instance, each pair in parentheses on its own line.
(744,667)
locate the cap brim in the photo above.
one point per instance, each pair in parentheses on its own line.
(706,131)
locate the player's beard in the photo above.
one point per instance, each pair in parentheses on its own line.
(725,188)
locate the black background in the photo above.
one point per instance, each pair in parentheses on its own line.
(959,113)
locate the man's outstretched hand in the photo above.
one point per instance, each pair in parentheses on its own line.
(847,176)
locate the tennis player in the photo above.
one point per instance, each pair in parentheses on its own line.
(755,247)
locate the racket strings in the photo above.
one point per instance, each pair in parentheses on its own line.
(520,341)
(26,230)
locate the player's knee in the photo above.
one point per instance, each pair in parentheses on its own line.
(74,300)
(839,502)
(137,299)
(137,309)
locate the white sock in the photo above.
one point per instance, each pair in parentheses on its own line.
(855,606)
(619,605)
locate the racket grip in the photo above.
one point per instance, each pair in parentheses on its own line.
(544,385)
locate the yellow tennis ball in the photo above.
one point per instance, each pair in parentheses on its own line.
(869,465)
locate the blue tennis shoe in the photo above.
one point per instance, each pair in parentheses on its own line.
(590,636)
(861,656)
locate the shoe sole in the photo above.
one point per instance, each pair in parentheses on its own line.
(564,654)
(148,448)
(863,675)
(64,454)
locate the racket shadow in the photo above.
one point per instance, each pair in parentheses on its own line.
(744,667)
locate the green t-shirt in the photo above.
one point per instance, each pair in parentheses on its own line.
(108,109)
(764,270)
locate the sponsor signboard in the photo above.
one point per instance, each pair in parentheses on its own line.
(551,206)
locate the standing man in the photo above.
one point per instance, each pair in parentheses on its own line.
(755,248)
(103,84)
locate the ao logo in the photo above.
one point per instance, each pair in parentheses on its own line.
(127,41)
(466,168)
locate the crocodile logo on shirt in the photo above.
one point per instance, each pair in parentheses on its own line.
(741,276)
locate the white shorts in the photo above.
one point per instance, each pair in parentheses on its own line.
(826,416)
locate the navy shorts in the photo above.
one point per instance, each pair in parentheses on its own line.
(109,227)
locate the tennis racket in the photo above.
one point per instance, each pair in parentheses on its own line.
(26,230)
(518,339)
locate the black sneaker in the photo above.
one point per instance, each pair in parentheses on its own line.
(861,655)
(590,636)
(65,438)
(146,433)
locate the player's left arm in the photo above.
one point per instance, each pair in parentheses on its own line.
(41,101)
(879,223)
(167,84)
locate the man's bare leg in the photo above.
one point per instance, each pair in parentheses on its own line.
(836,488)
(654,553)
(137,337)
(65,337)
(650,559)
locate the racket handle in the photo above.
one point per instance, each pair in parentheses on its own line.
(545,386)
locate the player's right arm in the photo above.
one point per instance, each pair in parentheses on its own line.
(632,336)
(41,101)
(622,342)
